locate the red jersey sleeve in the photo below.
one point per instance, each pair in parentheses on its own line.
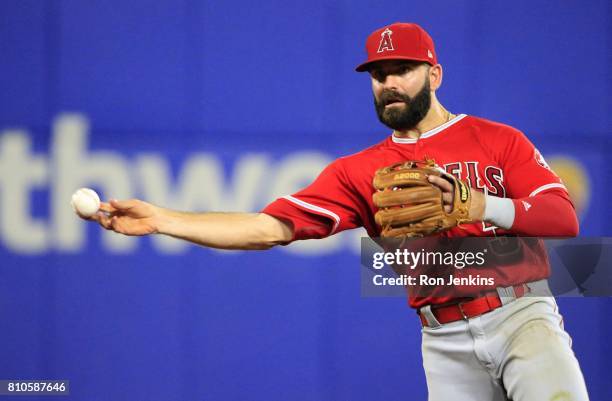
(526,171)
(325,207)
(548,215)
(541,201)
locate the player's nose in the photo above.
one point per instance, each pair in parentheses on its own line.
(390,82)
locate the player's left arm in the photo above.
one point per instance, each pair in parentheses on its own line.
(536,202)
(548,214)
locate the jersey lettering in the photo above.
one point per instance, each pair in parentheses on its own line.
(472,175)
(495,179)
(453,169)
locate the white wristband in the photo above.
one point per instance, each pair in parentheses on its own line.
(499,211)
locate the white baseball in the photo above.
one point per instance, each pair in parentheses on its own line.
(85,201)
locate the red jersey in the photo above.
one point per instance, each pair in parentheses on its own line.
(489,156)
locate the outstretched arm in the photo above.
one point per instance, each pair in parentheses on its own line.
(215,230)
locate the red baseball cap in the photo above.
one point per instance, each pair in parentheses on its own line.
(399,41)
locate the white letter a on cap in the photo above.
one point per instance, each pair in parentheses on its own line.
(385,41)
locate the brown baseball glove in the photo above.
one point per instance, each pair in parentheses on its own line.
(410,206)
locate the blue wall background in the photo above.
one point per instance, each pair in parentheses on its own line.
(241,90)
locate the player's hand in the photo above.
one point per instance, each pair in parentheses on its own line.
(129,217)
(477,205)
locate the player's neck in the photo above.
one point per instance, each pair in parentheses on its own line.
(436,116)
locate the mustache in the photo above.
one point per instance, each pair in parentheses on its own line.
(390,96)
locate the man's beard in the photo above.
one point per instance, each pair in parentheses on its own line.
(401,118)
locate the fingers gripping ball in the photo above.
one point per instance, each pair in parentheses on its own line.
(410,206)
(85,202)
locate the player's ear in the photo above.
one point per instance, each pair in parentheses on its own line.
(435,76)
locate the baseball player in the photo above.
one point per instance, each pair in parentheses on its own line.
(496,345)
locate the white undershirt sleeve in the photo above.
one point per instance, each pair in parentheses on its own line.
(499,211)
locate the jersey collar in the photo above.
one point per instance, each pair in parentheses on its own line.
(431,132)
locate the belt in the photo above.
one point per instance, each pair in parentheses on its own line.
(471,308)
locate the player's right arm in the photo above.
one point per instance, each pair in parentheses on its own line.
(325,207)
(215,230)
